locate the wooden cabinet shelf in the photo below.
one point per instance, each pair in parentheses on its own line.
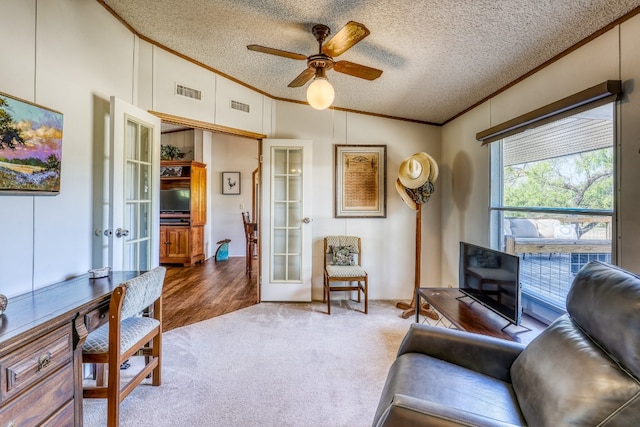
(182,234)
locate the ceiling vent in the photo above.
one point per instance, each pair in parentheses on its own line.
(188,92)
(235,105)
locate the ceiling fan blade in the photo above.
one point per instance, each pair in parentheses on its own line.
(304,77)
(278,52)
(357,70)
(349,35)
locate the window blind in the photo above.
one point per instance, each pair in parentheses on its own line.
(600,94)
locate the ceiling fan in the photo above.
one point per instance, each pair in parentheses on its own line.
(320,93)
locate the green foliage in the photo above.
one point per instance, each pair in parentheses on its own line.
(9,134)
(52,163)
(169,152)
(583,180)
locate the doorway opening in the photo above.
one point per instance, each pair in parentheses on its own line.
(222,150)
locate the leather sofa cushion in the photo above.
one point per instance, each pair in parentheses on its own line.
(443,384)
(564,378)
(614,296)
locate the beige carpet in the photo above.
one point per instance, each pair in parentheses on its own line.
(273,364)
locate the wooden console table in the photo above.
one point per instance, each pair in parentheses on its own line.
(468,315)
(41,337)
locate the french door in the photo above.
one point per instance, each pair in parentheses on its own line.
(134,181)
(286,220)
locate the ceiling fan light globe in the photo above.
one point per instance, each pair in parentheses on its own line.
(320,94)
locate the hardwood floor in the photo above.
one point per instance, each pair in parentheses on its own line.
(206,290)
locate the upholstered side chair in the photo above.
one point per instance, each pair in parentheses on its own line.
(343,268)
(134,329)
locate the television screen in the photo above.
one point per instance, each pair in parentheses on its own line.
(492,278)
(175,200)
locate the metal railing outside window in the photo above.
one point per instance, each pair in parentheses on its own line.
(552,200)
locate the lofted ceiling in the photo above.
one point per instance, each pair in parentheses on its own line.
(439,57)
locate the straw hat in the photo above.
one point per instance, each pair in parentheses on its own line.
(402,190)
(412,171)
(416,169)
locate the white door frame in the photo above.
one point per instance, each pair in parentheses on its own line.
(296,289)
(120,112)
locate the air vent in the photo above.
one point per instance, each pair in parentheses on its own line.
(235,105)
(188,92)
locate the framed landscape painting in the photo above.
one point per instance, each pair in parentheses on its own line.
(30,147)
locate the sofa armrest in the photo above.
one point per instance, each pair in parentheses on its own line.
(487,355)
(406,410)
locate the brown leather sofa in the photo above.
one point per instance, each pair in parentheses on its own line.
(583,370)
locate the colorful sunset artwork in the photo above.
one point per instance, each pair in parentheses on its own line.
(30,147)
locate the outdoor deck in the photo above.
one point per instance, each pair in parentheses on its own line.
(550,275)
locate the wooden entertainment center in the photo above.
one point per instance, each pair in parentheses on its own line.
(468,315)
(182,234)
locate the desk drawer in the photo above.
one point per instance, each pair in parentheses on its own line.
(97,317)
(51,400)
(63,418)
(35,361)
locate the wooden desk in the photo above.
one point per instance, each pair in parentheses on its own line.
(468,315)
(41,337)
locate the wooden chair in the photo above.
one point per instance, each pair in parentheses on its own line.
(250,229)
(343,263)
(134,329)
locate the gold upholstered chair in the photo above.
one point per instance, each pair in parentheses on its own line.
(134,329)
(343,268)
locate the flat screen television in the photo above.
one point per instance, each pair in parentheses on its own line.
(175,200)
(491,278)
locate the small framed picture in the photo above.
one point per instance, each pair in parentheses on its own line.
(230,182)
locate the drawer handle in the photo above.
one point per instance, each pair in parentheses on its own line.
(44,361)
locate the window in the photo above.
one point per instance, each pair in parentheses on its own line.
(552,201)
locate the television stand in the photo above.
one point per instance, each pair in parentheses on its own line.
(468,317)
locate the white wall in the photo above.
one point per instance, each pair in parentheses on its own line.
(464,178)
(230,154)
(170,70)
(388,243)
(227,91)
(70,58)
(611,56)
(629,152)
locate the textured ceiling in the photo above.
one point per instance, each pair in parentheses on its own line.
(439,57)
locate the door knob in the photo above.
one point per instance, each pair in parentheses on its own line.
(306,220)
(121,232)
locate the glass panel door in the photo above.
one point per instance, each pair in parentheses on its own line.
(286,245)
(138,187)
(134,178)
(287,168)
